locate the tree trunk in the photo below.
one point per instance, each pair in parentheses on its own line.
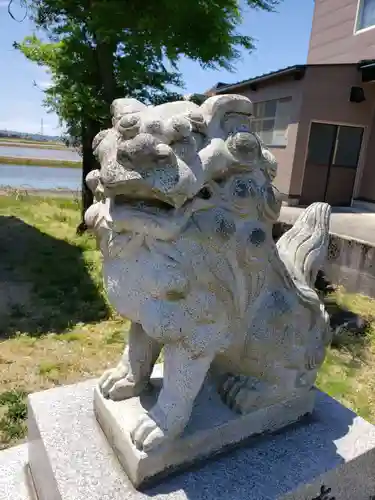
(105,62)
(89,130)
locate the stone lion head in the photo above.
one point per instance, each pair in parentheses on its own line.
(168,153)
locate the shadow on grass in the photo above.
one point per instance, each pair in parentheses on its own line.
(350,330)
(45,284)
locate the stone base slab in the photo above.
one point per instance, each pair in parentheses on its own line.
(15,480)
(213,429)
(70,457)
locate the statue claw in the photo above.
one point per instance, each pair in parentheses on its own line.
(125,389)
(148,435)
(110,378)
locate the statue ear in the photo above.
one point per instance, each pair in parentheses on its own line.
(98,139)
(215,108)
(121,107)
(269,163)
(94,183)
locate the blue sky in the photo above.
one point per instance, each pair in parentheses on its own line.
(281,40)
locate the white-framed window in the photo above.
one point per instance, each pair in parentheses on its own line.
(271,121)
(366,14)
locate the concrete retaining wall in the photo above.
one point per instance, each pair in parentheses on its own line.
(350,263)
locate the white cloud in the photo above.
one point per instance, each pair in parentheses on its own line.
(43,84)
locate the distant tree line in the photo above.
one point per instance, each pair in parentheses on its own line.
(25,135)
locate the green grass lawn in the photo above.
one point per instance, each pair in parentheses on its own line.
(40,162)
(349,370)
(56,326)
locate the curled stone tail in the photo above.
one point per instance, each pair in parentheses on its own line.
(305,245)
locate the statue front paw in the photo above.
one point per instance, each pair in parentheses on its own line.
(118,384)
(149,433)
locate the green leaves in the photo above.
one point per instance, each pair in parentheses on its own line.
(98,50)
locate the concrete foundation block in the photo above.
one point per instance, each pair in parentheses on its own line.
(213,429)
(15,479)
(71,459)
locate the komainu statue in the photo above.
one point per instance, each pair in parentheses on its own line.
(183,214)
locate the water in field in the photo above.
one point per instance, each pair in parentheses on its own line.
(44,153)
(33,177)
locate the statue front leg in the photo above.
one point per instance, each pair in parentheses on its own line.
(184,374)
(132,374)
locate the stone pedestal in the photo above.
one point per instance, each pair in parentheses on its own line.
(70,457)
(213,429)
(15,479)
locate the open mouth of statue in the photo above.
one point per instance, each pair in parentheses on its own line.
(149,205)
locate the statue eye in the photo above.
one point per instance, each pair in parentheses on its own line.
(129,126)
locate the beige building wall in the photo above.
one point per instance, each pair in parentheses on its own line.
(326,92)
(277,89)
(321,96)
(333,36)
(366,176)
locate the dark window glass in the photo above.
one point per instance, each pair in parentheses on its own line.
(267,125)
(348,146)
(270,109)
(321,143)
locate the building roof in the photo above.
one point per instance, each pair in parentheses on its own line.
(297,72)
(367,69)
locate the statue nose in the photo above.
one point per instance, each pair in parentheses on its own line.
(153,127)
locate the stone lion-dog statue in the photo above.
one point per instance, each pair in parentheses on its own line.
(183,214)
